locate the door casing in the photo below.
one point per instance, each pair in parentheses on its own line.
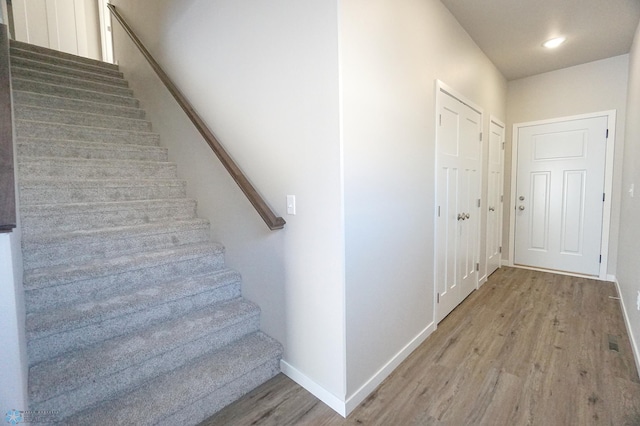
(608,186)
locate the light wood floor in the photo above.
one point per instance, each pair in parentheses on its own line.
(527,348)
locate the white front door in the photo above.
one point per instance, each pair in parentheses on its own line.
(560,195)
(494,196)
(459,151)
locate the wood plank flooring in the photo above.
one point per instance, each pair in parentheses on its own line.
(527,348)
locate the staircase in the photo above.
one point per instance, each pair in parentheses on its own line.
(132,316)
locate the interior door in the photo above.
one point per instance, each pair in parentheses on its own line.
(458,188)
(70,26)
(560,195)
(495,196)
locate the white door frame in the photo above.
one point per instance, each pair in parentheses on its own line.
(106,36)
(444,88)
(608,187)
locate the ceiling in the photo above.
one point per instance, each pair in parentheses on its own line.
(511,32)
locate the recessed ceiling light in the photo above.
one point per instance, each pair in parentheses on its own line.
(554,42)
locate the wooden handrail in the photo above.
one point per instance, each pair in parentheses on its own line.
(271,219)
(7,178)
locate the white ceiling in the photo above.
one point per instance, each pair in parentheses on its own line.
(511,32)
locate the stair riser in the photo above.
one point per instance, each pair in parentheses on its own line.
(205,384)
(50,292)
(34,129)
(107,387)
(200,410)
(69,219)
(46,347)
(68,92)
(68,170)
(99,151)
(67,71)
(26,112)
(100,247)
(62,60)
(58,102)
(70,82)
(59,195)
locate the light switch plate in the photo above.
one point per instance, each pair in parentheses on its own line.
(291,204)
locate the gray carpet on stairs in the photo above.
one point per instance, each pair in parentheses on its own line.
(132,315)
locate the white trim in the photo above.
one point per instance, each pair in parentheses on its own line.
(634,345)
(608,184)
(106,35)
(335,403)
(344,408)
(365,390)
(569,274)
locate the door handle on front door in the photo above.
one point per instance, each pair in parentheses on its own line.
(492,209)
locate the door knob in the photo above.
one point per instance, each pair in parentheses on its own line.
(521,198)
(460,216)
(467,216)
(492,209)
(521,208)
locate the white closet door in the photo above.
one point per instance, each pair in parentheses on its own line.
(458,188)
(494,202)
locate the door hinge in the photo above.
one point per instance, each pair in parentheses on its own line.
(478,202)
(480,136)
(607,133)
(603,194)
(438,301)
(477,266)
(502,145)
(501,197)
(500,249)
(438,211)
(600,260)
(440,120)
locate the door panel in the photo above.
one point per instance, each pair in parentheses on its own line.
(458,184)
(559,195)
(494,197)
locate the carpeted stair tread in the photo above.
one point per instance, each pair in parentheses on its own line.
(78,118)
(81,168)
(74,82)
(220,376)
(26,50)
(49,190)
(116,78)
(33,147)
(35,86)
(72,248)
(59,275)
(119,362)
(21,97)
(72,217)
(61,329)
(56,131)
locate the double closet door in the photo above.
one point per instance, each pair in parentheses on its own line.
(459,154)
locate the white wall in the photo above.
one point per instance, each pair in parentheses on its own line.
(13,359)
(266,79)
(592,87)
(629,242)
(264,76)
(391,54)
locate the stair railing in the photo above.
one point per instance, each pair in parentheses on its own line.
(7,166)
(271,219)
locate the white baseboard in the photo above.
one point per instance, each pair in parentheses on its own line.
(611,278)
(627,323)
(365,390)
(345,407)
(335,403)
